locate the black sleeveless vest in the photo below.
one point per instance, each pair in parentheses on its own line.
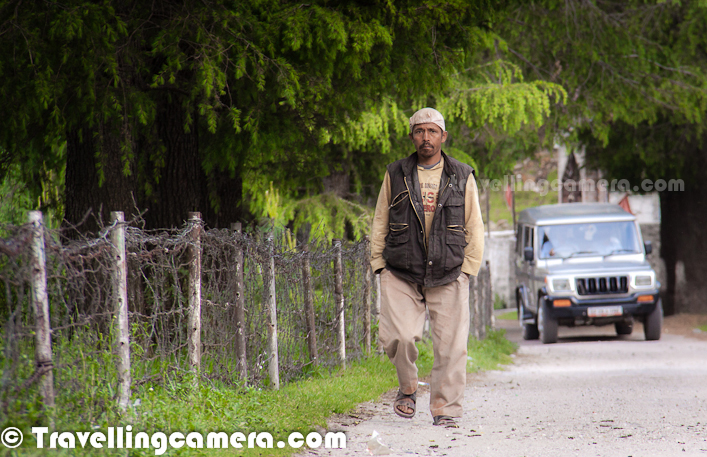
(437,261)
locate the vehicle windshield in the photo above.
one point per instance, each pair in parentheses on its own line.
(576,240)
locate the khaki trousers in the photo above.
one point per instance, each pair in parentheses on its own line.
(401,324)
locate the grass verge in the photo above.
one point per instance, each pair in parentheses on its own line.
(301,406)
(489,353)
(509,316)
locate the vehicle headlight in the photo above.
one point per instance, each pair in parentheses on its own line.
(644,280)
(561,284)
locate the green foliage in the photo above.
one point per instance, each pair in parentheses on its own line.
(364,126)
(497,98)
(15,200)
(290,92)
(281,93)
(376,128)
(627,63)
(490,352)
(35,186)
(330,216)
(498,302)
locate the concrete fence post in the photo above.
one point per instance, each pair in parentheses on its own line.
(241,363)
(481,302)
(474,306)
(490,318)
(377,310)
(367,297)
(271,316)
(194,329)
(339,301)
(120,305)
(40,306)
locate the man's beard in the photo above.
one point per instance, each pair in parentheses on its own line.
(426,152)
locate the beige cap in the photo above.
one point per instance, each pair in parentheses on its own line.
(426,115)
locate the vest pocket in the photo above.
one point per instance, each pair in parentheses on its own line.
(401,197)
(397,212)
(456,241)
(454,210)
(396,246)
(398,233)
(456,230)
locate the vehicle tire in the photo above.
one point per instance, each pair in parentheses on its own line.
(530,331)
(653,323)
(623,328)
(547,326)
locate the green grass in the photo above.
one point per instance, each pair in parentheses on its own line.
(703,328)
(498,302)
(491,352)
(300,406)
(509,316)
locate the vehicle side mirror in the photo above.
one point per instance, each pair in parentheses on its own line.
(528,253)
(648,247)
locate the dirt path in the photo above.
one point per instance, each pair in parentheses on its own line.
(592,394)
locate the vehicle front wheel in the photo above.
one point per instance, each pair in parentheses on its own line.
(653,324)
(547,326)
(530,331)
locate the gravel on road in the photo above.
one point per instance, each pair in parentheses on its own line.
(591,394)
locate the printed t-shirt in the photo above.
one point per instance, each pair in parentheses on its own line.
(429,189)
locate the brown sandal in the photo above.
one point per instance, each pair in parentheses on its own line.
(445,421)
(407,401)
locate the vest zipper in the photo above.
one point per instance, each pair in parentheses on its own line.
(439,197)
(424,235)
(441,193)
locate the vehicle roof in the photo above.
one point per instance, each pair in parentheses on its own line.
(574,213)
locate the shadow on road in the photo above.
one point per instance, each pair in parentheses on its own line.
(580,334)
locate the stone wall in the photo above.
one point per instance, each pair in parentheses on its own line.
(499,252)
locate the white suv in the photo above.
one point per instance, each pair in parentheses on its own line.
(584,264)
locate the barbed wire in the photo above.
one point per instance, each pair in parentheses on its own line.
(81,296)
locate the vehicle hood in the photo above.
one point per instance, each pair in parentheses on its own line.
(589,268)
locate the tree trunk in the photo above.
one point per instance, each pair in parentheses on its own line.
(684,249)
(226,194)
(181,187)
(95,178)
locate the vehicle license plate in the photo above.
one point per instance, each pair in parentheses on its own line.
(605,311)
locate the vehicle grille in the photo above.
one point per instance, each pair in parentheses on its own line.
(604,285)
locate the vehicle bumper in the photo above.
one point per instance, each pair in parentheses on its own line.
(590,309)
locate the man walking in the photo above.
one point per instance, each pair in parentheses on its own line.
(427,239)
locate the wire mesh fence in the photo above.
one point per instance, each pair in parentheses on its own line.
(205,305)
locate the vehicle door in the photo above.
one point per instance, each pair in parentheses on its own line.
(521,265)
(529,266)
(521,272)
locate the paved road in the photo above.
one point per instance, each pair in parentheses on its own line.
(591,394)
